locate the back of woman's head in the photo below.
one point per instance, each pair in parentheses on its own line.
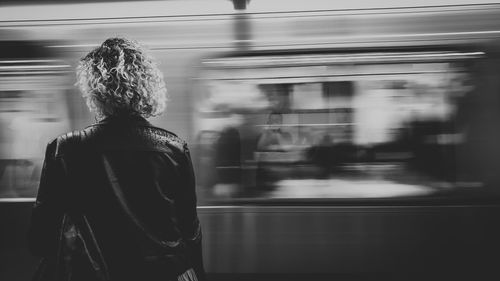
(119,77)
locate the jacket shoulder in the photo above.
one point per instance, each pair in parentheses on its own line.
(71,140)
(169,138)
(93,135)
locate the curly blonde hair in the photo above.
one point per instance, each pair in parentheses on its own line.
(119,77)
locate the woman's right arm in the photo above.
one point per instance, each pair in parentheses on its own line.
(47,212)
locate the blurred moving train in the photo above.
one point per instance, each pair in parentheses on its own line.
(356,141)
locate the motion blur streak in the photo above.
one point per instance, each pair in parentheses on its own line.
(355,140)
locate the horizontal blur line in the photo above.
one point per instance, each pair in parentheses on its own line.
(27,61)
(150,46)
(288,44)
(336,57)
(491,32)
(340,206)
(314,60)
(309,125)
(199,17)
(15,67)
(190,47)
(195,18)
(37,23)
(283,45)
(376,11)
(456,8)
(326,76)
(295,207)
(202,17)
(18,73)
(349,40)
(17,200)
(73,46)
(434,34)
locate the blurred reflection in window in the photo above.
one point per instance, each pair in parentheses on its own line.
(272,145)
(278,96)
(348,131)
(274,137)
(33,109)
(228,162)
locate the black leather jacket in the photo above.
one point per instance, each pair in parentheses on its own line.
(129,187)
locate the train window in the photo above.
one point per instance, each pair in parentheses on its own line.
(365,125)
(33,110)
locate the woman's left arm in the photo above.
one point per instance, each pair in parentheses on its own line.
(48,211)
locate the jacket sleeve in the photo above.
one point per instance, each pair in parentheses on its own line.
(47,211)
(189,225)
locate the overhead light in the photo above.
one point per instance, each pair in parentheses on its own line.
(240,4)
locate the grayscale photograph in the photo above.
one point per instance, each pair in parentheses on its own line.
(249,140)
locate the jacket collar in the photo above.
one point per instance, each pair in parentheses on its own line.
(125,119)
